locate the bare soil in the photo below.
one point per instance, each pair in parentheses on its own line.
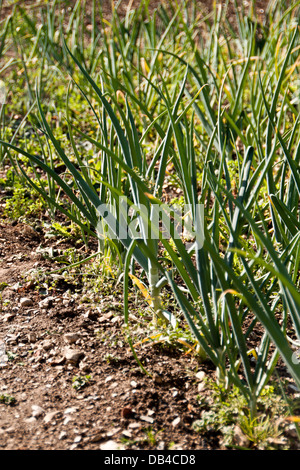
(120,407)
(119,403)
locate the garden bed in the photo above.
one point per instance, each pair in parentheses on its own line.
(69,379)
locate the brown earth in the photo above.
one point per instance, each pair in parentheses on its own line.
(52,334)
(120,407)
(119,402)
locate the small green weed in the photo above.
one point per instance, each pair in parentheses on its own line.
(7,399)
(227,409)
(24,204)
(11,356)
(111,359)
(80,382)
(71,231)
(151,436)
(9,180)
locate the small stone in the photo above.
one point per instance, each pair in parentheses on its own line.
(201,386)
(176,421)
(133,384)
(92,397)
(37,411)
(10,429)
(135,426)
(157,378)
(116,319)
(47,345)
(49,416)
(73,355)
(46,303)
(15,286)
(113,431)
(26,302)
(111,445)
(8,317)
(62,435)
(11,338)
(84,367)
(73,446)
(99,436)
(71,337)
(57,362)
(77,439)
(148,419)
(291,431)
(67,420)
(90,315)
(71,409)
(200,375)
(32,337)
(106,317)
(161,445)
(31,420)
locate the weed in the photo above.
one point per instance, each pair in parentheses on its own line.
(151,436)
(79,382)
(11,356)
(7,399)
(225,409)
(71,231)
(24,204)
(111,359)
